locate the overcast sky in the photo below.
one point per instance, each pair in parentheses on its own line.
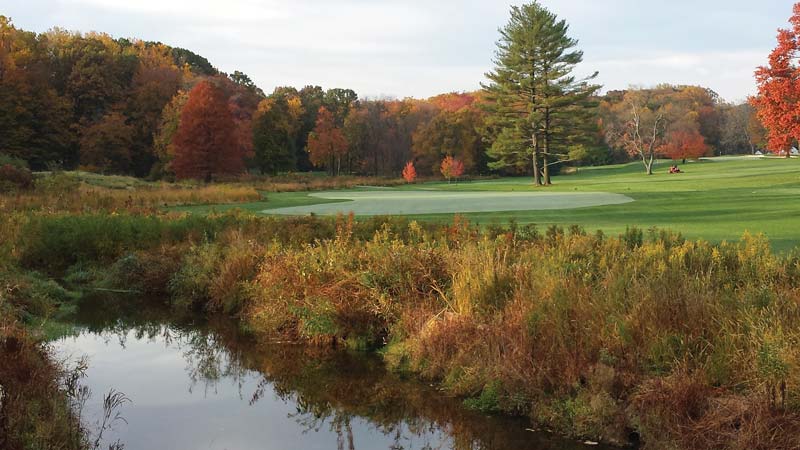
(420,48)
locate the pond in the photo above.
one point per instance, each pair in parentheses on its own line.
(195,385)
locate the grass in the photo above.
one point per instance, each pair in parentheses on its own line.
(712,200)
(269,200)
(404,202)
(715,201)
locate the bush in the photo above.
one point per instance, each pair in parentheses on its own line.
(54,243)
(15,178)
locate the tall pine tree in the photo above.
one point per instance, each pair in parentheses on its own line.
(536,104)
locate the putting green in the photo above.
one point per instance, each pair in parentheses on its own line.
(400,202)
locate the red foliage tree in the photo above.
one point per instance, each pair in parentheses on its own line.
(327,143)
(684,144)
(454,101)
(451,168)
(409,172)
(206,141)
(778,99)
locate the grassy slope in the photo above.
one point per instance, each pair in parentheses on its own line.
(713,200)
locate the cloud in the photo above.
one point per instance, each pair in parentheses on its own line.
(423,47)
(731,72)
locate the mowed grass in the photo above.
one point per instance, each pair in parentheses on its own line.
(715,200)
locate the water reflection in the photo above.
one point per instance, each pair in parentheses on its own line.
(202,386)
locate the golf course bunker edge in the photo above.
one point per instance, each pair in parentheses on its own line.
(384,203)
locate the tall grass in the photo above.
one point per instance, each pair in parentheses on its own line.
(35,393)
(65,194)
(682,343)
(79,192)
(678,342)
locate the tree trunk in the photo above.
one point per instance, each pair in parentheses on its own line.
(537,175)
(545,161)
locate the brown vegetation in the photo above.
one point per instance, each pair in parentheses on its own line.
(685,344)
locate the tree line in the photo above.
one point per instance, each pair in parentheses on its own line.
(125,106)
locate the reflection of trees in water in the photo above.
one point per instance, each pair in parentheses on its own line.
(337,390)
(331,389)
(208,362)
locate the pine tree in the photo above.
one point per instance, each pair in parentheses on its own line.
(535,102)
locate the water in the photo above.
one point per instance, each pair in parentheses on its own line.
(201,386)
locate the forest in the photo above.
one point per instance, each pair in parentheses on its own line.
(117,106)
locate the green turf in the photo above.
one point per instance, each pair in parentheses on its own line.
(714,200)
(410,202)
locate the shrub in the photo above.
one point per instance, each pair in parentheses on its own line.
(15,178)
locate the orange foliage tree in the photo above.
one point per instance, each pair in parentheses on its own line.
(327,143)
(454,101)
(106,146)
(684,144)
(451,168)
(409,172)
(778,99)
(206,141)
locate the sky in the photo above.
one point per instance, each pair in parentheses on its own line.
(420,48)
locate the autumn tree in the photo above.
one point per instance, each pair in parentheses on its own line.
(778,98)
(243,80)
(275,127)
(409,172)
(205,143)
(100,75)
(367,128)
(155,82)
(454,101)
(456,132)
(539,107)
(451,168)
(163,137)
(637,124)
(742,131)
(106,146)
(36,122)
(243,100)
(327,143)
(312,99)
(684,144)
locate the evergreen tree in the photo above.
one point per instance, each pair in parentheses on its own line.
(534,101)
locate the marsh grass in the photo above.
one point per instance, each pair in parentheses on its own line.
(35,407)
(585,334)
(686,344)
(83,192)
(62,193)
